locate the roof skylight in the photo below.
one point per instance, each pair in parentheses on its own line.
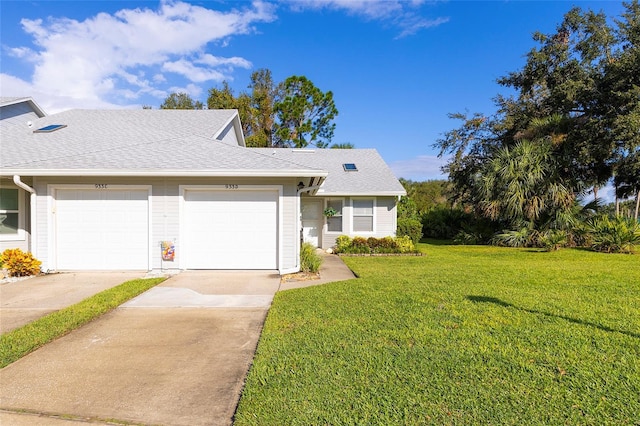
(50,128)
(349,167)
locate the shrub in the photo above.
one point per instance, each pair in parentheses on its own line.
(385,245)
(310,260)
(522,237)
(617,235)
(412,228)
(404,244)
(343,242)
(554,240)
(360,245)
(19,263)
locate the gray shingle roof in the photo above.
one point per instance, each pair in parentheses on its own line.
(177,143)
(373,177)
(136,142)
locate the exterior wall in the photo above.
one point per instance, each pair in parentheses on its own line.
(23,239)
(17,114)
(165,213)
(228,135)
(385,219)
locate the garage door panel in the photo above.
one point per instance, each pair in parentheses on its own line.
(231,229)
(102,229)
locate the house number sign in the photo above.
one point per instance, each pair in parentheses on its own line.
(231,186)
(101,186)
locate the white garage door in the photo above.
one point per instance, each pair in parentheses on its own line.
(234,229)
(102,229)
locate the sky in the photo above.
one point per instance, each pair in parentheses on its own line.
(396,68)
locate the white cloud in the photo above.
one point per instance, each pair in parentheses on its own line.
(200,74)
(215,61)
(402,14)
(190,89)
(51,102)
(21,52)
(102,56)
(420,168)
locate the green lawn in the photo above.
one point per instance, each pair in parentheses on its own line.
(464,335)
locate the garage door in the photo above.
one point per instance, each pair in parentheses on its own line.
(102,229)
(234,229)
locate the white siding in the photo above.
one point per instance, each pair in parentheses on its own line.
(384,217)
(165,213)
(17,115)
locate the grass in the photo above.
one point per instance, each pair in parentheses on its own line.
(464,335)
(19,342)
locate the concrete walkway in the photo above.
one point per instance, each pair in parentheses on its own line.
(175,355)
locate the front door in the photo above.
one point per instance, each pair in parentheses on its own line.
(312,221)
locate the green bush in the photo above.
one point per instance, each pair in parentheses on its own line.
(343,242)
(554,239)
(310,260)
(412,228)
(19,263)
(617,235)
(404,244)
(360,245)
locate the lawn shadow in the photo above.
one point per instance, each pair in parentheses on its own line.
(496,301)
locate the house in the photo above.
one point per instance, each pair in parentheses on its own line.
(176,189)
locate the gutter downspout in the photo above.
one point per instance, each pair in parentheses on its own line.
(32,210)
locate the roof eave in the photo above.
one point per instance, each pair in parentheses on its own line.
(344,193)
(164,172)
(36,108)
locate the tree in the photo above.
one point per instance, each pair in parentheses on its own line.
(426,195)
(223,98)
(576,102)
(304,114)
(255,108)
(181,101)
(344,145)
(264,95)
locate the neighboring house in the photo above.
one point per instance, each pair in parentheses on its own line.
(108,189)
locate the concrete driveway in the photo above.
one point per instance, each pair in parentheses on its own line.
(24,301)
(175,355)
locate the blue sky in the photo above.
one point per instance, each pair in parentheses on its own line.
(396,68)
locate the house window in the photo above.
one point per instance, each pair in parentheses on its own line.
(9,212)
(334,223)
(363,215)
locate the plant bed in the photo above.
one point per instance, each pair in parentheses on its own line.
(300,276)
(386,246)
(379,254)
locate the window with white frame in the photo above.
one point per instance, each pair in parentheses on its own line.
(363,215)
(9,213)
(334,219)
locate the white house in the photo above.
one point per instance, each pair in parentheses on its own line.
(112,189)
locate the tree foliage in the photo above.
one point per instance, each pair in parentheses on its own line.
(423,196)
(290,113)
(180,101)
(573,124)
(305,114)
